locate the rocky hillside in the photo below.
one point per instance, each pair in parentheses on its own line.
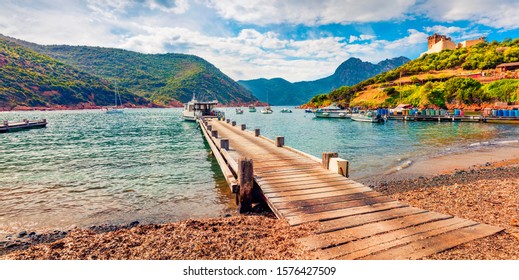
(461,78)
(163,79)
(350,72)
(31,79)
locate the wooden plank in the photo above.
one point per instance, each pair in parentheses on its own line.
(374,244)
(344,212)
(349,234)
(368,246)
(367,218)
(265,172)
(289,172)
(318,195)
(326,200)
(298,178)
(436,244)
(308,182)
(336,206)
(273,189)
(282,193)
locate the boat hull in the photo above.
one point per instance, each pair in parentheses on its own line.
(367,119)
(338,114)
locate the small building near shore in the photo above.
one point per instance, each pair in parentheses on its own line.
(512,66)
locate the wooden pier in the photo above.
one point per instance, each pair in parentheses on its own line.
(6,126)
(355,221)
(441,118)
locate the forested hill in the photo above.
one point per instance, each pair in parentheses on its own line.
(461,78)
(31,79)
(161,78)
(350,72)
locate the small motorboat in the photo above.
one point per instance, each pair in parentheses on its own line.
(239,111)
(286,110)
(267,110)
(369,116)
(252,109)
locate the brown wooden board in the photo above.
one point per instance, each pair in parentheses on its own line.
(310,187)
(317,195)
(349,234)
(436,244)
(326,200)
(363,247)
(337,205)
(334,214)
(367,218)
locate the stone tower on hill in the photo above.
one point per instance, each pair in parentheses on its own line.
(437,43)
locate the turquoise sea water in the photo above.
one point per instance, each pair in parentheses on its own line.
(88,167)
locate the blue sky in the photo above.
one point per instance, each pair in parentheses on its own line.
(293,39)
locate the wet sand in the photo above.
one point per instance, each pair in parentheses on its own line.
(481,185)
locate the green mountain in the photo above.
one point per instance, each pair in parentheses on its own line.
(32,79)
(350,72)
(461,78)
(161,78)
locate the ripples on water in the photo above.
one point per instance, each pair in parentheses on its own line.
(88,167)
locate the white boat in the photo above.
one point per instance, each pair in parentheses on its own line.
(266,110)
(115,109)
(239,111)
(252,109)
(195,109)
(286,110)
(332,111)
(368,116)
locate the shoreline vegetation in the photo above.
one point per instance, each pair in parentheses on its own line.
(484,190)
(127,106)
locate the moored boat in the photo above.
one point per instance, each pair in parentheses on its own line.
(332,111)
(286,110)
(195,109)
(252,109)
(266,110)
(367,116)
(239,111)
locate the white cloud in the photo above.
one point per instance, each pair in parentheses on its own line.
(496,13)
(310,12)
(179,7)
(252,54)
(446,30)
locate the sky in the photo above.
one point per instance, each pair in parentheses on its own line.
(293,39)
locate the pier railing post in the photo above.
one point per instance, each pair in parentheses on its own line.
(233,123)
(214,133)
(326,158)
(246,182)
(224,144)
(243,126)
(228,120)
(209,127)
(257,132)
(280,141)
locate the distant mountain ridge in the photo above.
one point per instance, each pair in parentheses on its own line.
(163,79)
(350,72)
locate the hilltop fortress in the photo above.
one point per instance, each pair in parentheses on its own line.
(437,43)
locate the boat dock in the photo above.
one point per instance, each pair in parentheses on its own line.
(441,118)
(6,126)
(355,222)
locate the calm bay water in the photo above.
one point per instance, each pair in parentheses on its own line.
(88,167)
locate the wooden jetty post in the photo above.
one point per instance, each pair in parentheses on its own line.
(214,133)
(246,182)
(243,126)
(280,141)
(228,120)
(209,127)
(233,123)
(326,159)
(257,132)
(224,144)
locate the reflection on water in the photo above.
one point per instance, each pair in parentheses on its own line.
(88,167)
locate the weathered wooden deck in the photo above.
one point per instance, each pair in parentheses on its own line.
(6,126)
(356,222)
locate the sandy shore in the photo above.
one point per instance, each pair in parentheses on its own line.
(481,185)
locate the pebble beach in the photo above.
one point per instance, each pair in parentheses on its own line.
(486,193)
